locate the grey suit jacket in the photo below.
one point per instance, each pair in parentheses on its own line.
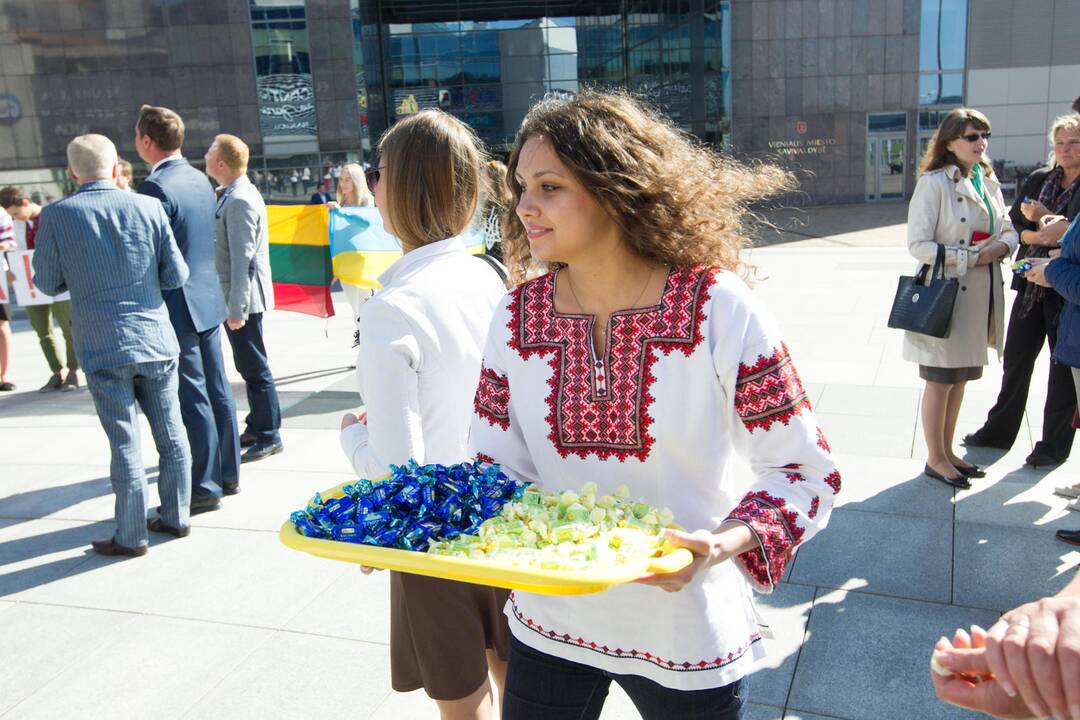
(242,250)
(115,253)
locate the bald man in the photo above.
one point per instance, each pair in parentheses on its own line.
(114,252)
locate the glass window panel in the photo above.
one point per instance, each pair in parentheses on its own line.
(942,37)
(887,122)
(941,89)
(283,72)
(563,67)
(483,70)
(480,43)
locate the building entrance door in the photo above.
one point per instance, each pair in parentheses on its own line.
(885,167)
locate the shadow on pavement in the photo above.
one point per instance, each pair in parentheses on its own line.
(36,546)
(43,502)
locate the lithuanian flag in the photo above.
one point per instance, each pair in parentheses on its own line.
(300,258)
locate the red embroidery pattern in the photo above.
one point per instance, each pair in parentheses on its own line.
(631,654)
(601,406)
(492,401)
(822,442)
(794,477)
(770,391)
(814,504)
(483,457)
(833,481)
(776,529)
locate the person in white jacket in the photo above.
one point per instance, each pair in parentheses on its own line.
(419,366)
(957,204)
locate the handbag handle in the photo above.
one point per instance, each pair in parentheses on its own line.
(939,267)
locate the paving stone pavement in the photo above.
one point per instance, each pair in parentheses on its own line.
(229,624)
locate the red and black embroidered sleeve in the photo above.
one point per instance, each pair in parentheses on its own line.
(492,401)
(769,391)
(777,531)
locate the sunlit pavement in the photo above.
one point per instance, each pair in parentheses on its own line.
(227,623)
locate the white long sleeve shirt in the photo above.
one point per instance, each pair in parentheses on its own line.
(680,389)
(418,366)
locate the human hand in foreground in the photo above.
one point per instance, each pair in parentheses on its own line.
(236,323)
(974,690)
(991,251)
(1033,654)
(7,246)
(708,548)
(1037,275)
(1033,210)
(1047,220)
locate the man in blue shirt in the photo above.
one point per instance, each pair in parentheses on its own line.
(115,253)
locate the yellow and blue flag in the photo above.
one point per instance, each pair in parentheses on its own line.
(361,250)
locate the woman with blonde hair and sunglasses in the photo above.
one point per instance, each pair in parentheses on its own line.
(418,367)
(643,359)
(352,191)
(957,205)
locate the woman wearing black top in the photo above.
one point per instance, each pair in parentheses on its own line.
(1052,190)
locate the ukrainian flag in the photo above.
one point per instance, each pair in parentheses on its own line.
(362,250)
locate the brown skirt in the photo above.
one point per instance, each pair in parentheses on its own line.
(439,632)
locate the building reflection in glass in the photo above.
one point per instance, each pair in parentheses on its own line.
(283,70)
(487,63)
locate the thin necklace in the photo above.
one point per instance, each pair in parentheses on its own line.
(573,293)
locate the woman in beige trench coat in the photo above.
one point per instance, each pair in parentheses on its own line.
(958,204)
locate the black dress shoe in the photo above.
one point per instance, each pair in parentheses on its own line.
(1070,536)
(1038,458)
(260,451)
(957,482)
(247,439)
(111,547)
(158,525)
(976,440)
(971,471)
(203,504)
(231,489)
(199,504)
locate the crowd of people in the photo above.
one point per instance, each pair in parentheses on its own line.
(1028,663)
(629,350)
(958,206)
(152,276)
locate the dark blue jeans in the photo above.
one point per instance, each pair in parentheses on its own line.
(543,687)
(249,354)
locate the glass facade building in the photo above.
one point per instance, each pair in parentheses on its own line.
(845,92)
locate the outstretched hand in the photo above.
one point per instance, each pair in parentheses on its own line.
(972,688)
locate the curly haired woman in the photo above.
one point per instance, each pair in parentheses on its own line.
(644,359)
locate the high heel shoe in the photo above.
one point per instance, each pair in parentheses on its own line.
(957,482)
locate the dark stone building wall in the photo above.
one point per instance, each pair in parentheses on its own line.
(68,68)
(333,73)
(805,75)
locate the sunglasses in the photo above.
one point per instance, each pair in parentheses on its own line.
(973,137)
(372,175)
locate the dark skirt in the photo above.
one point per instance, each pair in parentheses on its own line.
(439,632)
(949,376)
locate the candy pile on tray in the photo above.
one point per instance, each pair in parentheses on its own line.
(414,504)
(565,531)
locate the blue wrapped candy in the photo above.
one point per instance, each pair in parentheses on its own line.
(413,506)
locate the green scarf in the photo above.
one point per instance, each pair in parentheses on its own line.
(977,181)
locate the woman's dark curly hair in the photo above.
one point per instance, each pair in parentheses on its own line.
(675,200)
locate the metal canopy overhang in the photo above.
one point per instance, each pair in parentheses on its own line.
(411,11)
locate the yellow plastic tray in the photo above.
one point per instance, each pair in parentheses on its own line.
(481,571)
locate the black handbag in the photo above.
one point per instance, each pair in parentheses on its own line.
(925,308)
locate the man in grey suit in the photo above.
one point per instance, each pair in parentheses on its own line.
(115,253)
(242,254)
